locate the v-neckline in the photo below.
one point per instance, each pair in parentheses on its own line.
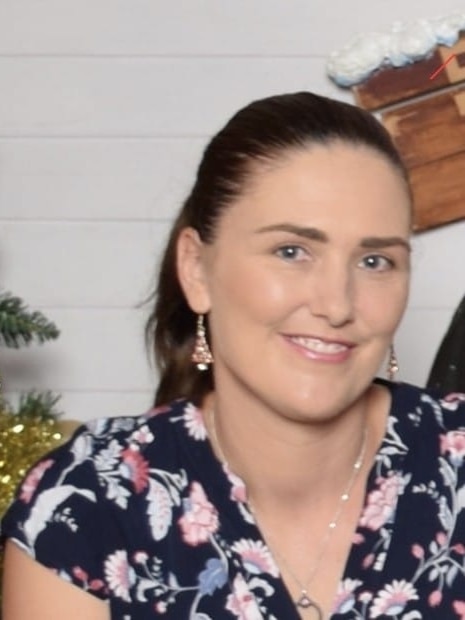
(220,489)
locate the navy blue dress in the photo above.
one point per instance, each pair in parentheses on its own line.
(138,511)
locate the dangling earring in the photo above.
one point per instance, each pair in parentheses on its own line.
(393,364)
(202,356)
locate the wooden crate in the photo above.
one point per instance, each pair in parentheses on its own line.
(426,118)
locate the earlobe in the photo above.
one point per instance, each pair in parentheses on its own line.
(190,264)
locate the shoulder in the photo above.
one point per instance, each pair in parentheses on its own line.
(138,433)
(105,459)
(426,407)
(127,445)
(430,425)
(76,492)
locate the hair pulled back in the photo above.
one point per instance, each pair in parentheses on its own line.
(259,133)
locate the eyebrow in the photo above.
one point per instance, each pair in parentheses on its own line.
(374,243)
(314,234)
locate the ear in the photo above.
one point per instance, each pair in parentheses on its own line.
(190,264)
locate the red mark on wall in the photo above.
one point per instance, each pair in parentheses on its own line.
(433,75)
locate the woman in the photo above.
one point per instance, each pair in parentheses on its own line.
(276,478)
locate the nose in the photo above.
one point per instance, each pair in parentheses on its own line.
(331,294)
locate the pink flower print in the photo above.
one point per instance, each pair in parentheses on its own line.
(193,421)
(345,598)
(32,480)
(459,608)
(435,598)
(393,598)
(453,442)
(256,557)
(135,468)
(241,602)
(140,557)
(418,551)
(86,584)
(80,574)
(156,411)
(452,401)
(238,490)
(381,502)
(459,548)
(365,597)
(200,518)
(96,584)
(119,575)
(161,607)
(142,435)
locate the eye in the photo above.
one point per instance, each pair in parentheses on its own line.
(291,252)
(377,262)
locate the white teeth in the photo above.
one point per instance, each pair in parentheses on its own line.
(318,346)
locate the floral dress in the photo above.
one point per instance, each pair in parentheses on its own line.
(138,511)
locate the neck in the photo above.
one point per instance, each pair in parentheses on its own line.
(287,464)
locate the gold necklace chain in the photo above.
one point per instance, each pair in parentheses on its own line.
(305,601)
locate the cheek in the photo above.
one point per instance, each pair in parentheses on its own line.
(252,289)
(383,307)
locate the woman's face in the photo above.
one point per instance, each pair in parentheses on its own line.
(307,279)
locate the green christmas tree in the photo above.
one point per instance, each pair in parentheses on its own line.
(19,326)
(29,429)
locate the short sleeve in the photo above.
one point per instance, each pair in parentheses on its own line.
(57,516)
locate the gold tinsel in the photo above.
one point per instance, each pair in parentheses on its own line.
(23,440)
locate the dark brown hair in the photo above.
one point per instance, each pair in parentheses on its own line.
(261,132)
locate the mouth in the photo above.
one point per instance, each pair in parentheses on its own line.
(320,348)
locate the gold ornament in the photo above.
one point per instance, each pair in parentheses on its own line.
(24,439)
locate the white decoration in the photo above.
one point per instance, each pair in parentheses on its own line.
(405,43)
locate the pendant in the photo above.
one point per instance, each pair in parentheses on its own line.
(305,602)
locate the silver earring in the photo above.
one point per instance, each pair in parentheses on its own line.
(202,356)
(393,364)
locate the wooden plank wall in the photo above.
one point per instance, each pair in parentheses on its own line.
(430,135)
(427,122)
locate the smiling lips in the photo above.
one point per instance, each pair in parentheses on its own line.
(316,348)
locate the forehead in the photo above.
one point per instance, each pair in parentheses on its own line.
(337,187)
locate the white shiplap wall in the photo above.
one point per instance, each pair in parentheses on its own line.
(105,106)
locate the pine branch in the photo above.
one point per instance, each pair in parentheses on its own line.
(20,327)
(38,405)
